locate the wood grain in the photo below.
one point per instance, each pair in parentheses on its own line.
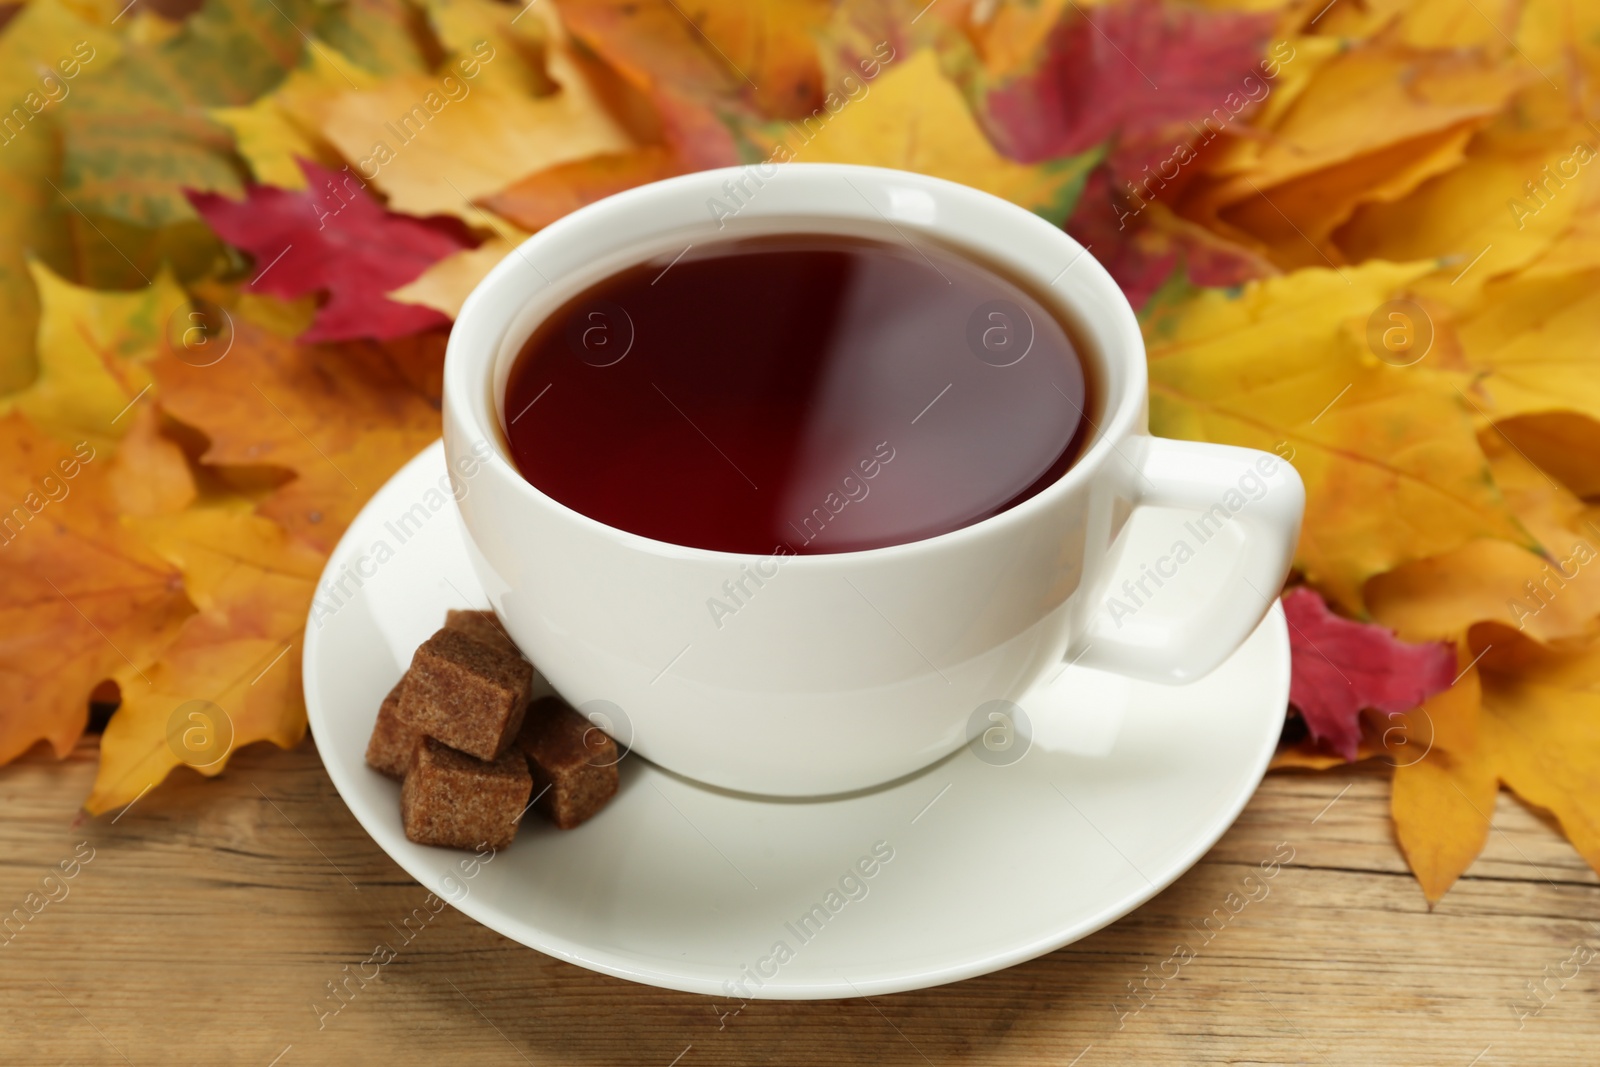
(212,914)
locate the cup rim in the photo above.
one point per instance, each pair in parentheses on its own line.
(1121,415)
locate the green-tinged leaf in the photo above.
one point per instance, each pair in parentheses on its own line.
(136,139)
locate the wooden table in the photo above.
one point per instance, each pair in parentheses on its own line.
(212,914)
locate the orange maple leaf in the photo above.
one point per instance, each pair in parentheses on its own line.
(342,418)
(79,598)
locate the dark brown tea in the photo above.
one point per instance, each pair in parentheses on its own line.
(819,392)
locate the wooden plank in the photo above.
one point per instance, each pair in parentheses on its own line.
(212,915)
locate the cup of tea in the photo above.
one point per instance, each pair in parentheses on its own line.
(792,468)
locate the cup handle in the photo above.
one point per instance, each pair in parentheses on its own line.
(1190,642)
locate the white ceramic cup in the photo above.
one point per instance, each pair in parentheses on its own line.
(851,669)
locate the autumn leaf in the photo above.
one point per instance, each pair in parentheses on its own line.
(1096,79)
(915,119)
(772,43)
(1565,174)
(1289,184)
(1532,340)
(381,36)
(1551,595)
(274,133)
(1310,756)
(418,360)
(368,38)
(713,47)
(1443,795)
(160,123)
(1341,667)
(79,600)
(43,34)
(510,41)
(1535,730)
(335,238)
(1480,214)
(1559,443)
(446,285)
(1008,37)
(532,203)
(150,474)
(1283,365)
(1541,734)
(1145,248)
(539,199)
(342,418)
(436,143)
(94,349)
(1561,39)
(133,142)
(665,59)
(232,672)
(1089,85)
(864,36)
(1418,23)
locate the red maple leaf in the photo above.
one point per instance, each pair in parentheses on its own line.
(1140,257)
(1338,667)
(1129,71)
(335,238)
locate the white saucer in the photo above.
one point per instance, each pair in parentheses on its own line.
(691,888)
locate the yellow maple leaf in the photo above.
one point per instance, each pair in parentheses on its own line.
(1308,756)
(1227,5)
(341,417)
(1424,23)
(539,199)
(94,348)
(274,131)
(1552,595)
(1535,730)
(231,676)
(1561,38)
(1497,212)
(520,36)
(436,143)
(446,285)
(1577,248)
(914,118)
(1297,72)
(1559,443)
(1532,339)
(1442,800)
(1302,169)
(1283,365)
(1541,734)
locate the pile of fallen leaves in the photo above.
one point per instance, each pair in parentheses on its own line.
(1362,234)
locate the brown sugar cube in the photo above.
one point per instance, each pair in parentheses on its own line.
(451,799)
(574,763)
(481,626)
(393,743)
(467,694)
